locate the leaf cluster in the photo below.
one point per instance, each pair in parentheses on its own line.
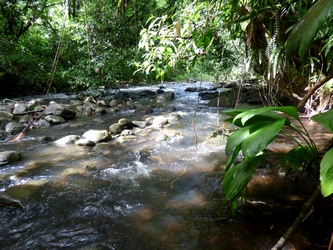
(257,129)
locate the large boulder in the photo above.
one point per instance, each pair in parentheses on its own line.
(97,135)
(7,157)
(60,110)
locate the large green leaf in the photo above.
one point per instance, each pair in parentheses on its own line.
(237,138)
(259,140)
(305,31)
(236,179)
(246,115)
(233,157)
(326,173)
(325,119)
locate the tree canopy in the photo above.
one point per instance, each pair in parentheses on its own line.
(286,44)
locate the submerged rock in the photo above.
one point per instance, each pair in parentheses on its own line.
(218,137)
(7,157)
(8,201)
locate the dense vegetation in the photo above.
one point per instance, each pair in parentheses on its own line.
(77,44)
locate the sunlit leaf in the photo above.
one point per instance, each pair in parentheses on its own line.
(289,110)
(326,173)
(259,140)
(237,138)
(325,119)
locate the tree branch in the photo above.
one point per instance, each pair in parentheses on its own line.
(302,103)
(300,217)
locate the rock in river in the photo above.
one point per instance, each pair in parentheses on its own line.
(97,135)
(9,157)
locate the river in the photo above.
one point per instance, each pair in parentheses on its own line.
(141,194)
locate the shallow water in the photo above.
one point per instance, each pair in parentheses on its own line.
(136,195)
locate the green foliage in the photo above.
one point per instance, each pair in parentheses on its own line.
(305,31)
(257,129)
(184,40)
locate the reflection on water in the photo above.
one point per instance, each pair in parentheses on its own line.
(137,195)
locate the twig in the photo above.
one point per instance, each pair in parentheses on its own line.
(171,184)
(300,217)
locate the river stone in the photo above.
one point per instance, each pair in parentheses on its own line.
(159,121)
(97,135)
(3,135)
(60,110)
(85,142)
(7,157)
(114,103)
(116,128)
(25,119)
(76,102)
(147,93)
(5,116)
(144,109)
(44,139)
(166,96)
(8,201)
(222,101)
(162,138)
(126,138)
(20,109)
(127,123)
(218,137)
(126,132)
(208,95)
(174,117)
(100,110)
(6,109)
(54,119)
(14,128)
(69,139)
(140,124)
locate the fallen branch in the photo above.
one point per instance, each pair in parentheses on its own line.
(22,133)
(300,217)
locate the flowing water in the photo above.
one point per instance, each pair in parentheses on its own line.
(139,194)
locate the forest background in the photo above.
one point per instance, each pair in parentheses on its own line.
(71,45)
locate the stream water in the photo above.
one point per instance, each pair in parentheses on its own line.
(140,194)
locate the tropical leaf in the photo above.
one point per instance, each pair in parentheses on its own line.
(325,119)
(237,177)
(237,137)
(298,157)
(305,31)
(245,116)
(259,140)
(232,157)
(326,173)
